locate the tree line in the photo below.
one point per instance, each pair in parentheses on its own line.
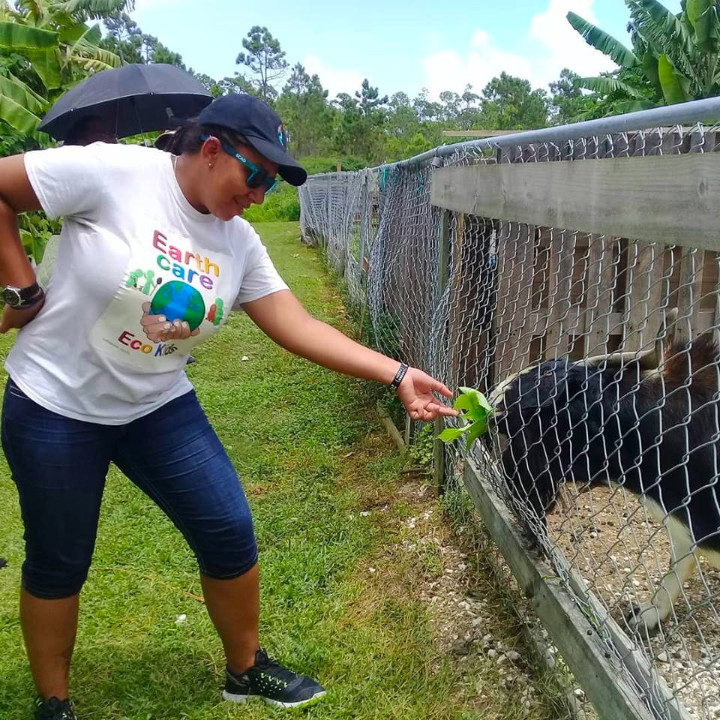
(671,58)
(47,46)
(356,128)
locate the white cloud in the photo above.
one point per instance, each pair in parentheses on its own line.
(449,70)
(550,46)
(336,80)
(562,46)
(480,39)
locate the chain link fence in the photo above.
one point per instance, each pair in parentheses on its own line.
(598,350)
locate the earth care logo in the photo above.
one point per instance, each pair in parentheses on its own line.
(179,298)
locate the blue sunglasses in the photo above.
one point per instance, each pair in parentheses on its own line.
(257,176)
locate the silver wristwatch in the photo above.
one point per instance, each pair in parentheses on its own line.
(22,298)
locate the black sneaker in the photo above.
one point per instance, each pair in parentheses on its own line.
(271,682)
(54,709)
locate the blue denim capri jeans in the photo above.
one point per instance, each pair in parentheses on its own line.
(173,455)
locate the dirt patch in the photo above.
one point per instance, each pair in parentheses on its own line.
(431,561)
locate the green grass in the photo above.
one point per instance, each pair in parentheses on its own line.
(280,205)
(308,447)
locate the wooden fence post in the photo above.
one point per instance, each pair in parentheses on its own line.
(688,295)
(644,301)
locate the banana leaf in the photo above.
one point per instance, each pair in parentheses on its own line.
(703,16)
(46,63)
(674,86)
(665,33)
(97,9)
(610,85)
(20,93)
(603,42)
(84,43)
(17,116)
(14,36)
(650,68)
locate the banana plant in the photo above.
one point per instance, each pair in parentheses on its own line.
(674,58)
(53,49)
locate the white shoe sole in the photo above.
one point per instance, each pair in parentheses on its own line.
(276,703)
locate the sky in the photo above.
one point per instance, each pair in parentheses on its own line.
(399,45)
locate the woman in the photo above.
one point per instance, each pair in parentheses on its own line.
(153,254)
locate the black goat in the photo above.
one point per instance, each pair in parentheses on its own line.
(656,433)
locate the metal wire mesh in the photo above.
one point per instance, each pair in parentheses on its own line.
(609,460)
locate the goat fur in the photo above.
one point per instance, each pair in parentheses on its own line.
(655,433)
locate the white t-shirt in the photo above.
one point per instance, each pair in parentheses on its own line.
(129,237)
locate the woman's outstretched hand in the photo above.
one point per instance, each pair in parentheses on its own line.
(416,392)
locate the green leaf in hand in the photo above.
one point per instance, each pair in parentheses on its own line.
(451,433)
(478,428)
(475,402)
(477,410)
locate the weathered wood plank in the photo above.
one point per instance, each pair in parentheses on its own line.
(599,294)
(515,278)
(671,199)
(688,295)
(705,320)
(715,314)
(644,301)
(559,323)
(457,301)
(439,423)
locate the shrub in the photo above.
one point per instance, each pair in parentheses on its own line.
(281,204)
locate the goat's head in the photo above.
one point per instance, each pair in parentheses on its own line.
(539,412)
(539,393)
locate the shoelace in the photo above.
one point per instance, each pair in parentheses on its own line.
(263,663)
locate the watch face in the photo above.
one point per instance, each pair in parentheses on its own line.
(12,297)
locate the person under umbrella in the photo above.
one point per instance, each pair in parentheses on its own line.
(101,365)
(130,100)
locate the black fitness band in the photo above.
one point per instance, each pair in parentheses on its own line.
(399,376)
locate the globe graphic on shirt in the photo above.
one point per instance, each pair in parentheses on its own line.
(179,301)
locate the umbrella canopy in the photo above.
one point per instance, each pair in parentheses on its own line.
(131,100)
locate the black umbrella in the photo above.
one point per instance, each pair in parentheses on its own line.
(131,100)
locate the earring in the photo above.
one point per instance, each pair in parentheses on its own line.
(210,165)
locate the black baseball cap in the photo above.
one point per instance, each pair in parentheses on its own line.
(260,124)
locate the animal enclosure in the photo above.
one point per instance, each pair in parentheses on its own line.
(592,251)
